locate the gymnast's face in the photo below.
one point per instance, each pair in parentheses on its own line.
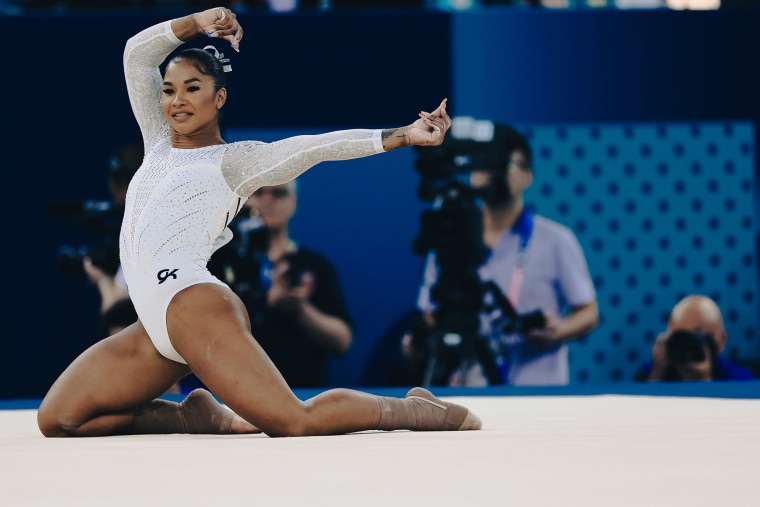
(189,100)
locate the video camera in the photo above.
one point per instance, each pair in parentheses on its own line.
(683,347)
(101,218)
(453,230)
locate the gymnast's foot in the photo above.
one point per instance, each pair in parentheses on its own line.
(434,412)
(421,411)
(201,413)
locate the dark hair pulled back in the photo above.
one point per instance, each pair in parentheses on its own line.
(209,62)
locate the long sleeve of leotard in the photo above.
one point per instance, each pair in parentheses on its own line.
(246,165)
(249,165)
(143,54)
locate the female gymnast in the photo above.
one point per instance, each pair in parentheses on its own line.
(189,187)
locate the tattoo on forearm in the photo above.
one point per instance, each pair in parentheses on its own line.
(392,133)
(397,132)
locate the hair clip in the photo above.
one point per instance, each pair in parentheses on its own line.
(226,67)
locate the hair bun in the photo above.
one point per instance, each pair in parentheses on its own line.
(226,67)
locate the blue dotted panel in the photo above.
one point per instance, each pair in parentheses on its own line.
(661,210)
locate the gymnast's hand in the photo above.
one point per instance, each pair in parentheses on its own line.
(221,23)
(430,129)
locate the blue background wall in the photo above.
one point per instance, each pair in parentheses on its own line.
(66,111)
(661,210)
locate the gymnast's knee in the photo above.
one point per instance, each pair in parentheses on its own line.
(53,423)
(296,426)
(296,423)
(51,427)
(308,420)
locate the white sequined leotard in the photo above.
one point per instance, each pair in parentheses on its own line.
(181,200)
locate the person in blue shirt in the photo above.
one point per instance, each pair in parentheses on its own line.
(535,263)
(690,347)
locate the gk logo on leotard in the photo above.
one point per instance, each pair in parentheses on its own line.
(164,275)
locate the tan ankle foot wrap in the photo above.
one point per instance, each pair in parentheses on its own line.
(198,413)
(421,411)
(158,417)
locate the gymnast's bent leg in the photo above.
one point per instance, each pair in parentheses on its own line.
(110,389)
(208,326)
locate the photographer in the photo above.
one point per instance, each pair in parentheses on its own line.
(690,347)
(117,311)
(292,294)
(538,292)
(100,261)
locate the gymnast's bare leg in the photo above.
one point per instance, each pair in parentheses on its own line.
(208,326)
(112,387)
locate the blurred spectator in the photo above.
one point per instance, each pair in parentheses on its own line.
(111,286)
(690,347)
(542,295)
(292,294)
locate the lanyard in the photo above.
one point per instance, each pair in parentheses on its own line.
(524,228)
